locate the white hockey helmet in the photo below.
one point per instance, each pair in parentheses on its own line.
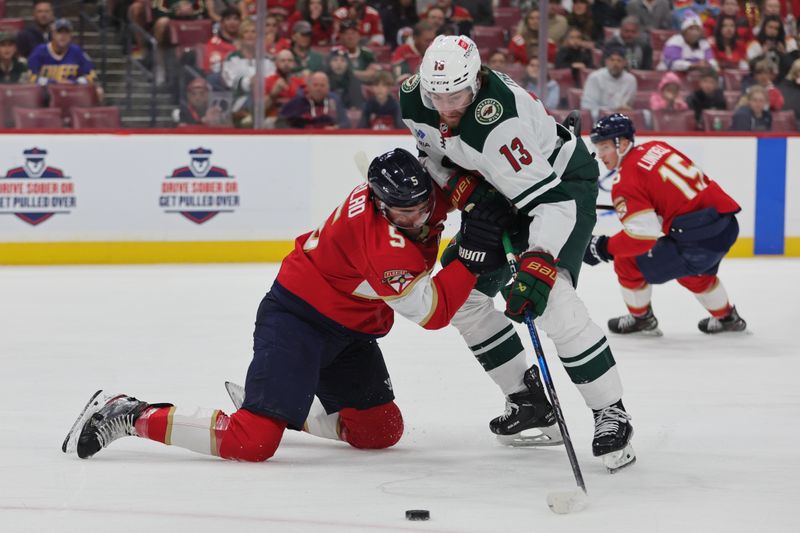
(451,64)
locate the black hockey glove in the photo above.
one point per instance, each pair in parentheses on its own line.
(597,251)
(480,246)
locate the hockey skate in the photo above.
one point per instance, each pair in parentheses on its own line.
(236,392)
(612,437)
(731,323)
(105,419)
(528,410)
(646,324)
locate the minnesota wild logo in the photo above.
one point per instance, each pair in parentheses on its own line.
(410,84)
(488,111)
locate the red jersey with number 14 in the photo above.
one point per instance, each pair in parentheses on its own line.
(656,183)
(357,269)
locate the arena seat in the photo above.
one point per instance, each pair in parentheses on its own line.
(95,117)
(188,33)
(664,120)
(574,98)
(40,117)
(659,37)
(507,18)
(709,115)
(17,24)
(14,95)
(784,121)
(489,37)
(65,97)
(733,79)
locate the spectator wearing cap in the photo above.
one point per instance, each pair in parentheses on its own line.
(407,57)
(367,18)
(652,14)
(282,85)
(525,43)
(61,60)
(382,110)
(611,87)
(223,42)
(13,69)
(668,97)
(39,32)
(638,51)
(361,59)
(198,110)
(306,60)
(317,108)
(397,17)
(342,81)
(316,13)
(688,50)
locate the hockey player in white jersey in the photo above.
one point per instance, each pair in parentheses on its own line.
(485,139)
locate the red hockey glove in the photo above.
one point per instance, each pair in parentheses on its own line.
(531,289)
(464,188)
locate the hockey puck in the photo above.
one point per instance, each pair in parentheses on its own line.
(418,514)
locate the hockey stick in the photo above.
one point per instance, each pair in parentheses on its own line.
(605,207)
(362,162)
(561,502)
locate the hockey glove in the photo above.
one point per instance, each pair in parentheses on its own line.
(597,251)
(464,188)
(480,245)
(531,289)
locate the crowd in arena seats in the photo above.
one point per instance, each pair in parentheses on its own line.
(671,64)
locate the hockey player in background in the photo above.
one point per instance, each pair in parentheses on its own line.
(486,140)
(659,190)
(316,364)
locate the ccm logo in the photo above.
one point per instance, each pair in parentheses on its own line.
(541,271)
(472,255)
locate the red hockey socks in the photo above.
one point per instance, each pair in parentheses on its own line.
(374,428)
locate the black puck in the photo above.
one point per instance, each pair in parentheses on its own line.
(418,514)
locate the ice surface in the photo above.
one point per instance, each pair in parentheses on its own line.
(717,418)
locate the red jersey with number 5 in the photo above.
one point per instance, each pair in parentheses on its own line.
(656,183)
(358,269)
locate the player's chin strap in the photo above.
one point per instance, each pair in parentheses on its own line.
(621,155)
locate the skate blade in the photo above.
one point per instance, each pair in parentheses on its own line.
(546,436)
(94,404)
(616,461)
(643,333)
(236,392)
(565,502)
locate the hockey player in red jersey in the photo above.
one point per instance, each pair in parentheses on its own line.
(658,190)
(316,362)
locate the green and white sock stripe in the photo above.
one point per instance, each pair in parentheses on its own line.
(590,364)
(498,349)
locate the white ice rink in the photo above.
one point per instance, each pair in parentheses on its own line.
(717,419)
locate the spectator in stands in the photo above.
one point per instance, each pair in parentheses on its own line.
(730,8)
(608,12)
(729,50)
(790,88)
(273,42)
(652,14)
(525,43)
(381,111)
(38,33)
(581,18)
(306,60)
(754,115)
(282,85)
(769,8)
(316,13)
(239,66)
(688,50)
(481,11)
(638,51)
(764,72)
(13,69)
(361,59)
(575,53)
(407,57)
(198,109)
(773,42)
(703,9)
(668,96)
(368,19)
(557,24)
(436,18)
(61,60)
(166,10)
(223,42)
(280,8)
(611,87)
(398,16)
(342,80)
(707,96)
(455,16)
(498,60)
(317,108)
(530,82)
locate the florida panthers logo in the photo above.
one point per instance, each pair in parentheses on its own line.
(398,279)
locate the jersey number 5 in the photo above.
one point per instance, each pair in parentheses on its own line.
(687,178)
(516,162)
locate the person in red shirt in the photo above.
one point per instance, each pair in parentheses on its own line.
(317,365)
(315,12)
(729,49)
(658,190)
(282,85)
(525,43)
(223,42)
(369,21)
(407,57)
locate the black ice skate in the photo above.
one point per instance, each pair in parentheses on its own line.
(528,410)
(646,324)
(105,419)
(612,436)
(731,323)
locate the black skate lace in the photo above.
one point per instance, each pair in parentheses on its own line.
(112,429)
(608,419)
